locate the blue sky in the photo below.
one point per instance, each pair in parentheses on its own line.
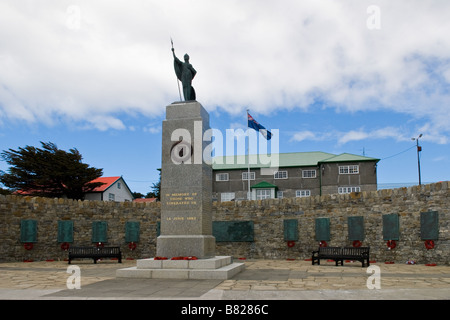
(332,76)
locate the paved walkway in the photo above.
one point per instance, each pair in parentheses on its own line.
(261,280)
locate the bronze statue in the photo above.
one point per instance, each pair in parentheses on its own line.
(185,73)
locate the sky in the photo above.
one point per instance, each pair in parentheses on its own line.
(355,76)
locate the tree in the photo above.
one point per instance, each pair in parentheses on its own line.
(137,195)
(156,187)
(4,191)
(48,172)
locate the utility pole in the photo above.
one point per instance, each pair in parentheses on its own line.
(419,149)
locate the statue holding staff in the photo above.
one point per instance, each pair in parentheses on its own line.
(185,73)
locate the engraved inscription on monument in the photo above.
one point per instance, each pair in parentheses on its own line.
(184,198)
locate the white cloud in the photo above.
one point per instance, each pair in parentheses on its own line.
(87,61)
(303,135)
(153,129)
(433,134)
(382,133)
(439,159)
(353,135)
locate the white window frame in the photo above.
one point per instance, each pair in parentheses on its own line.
(227,196)
(245,175)
(352,169)
(262,194)
(302,193)
(346,190)
(280,194)
(111,197)
(309,174)
(280,175)
(222,176)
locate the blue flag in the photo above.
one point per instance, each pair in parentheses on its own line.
(252,123)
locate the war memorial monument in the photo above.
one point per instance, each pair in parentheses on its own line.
(185,248)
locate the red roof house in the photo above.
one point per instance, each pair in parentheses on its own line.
(113,189)
(145,200)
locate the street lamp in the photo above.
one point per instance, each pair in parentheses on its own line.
(419,149)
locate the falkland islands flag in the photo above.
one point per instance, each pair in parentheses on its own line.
(252,123)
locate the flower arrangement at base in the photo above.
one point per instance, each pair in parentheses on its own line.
(176,258)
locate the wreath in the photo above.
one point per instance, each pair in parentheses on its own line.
(429,244)
(290,244)
(323,243)
(185,258)
(391,244)
(65,246)
(28,245)
(132,245)
(356,243)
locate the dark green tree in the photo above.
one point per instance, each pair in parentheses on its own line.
(156,187)
(137,195)
(4,191)
(48,172)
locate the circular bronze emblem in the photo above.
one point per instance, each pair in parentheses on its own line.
(181,152)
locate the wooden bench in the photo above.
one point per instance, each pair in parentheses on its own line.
(339,254)
(95,253)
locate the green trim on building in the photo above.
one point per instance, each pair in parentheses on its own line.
(263,185)
(348,157)
(294,159)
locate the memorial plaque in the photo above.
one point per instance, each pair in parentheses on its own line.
(233,231)
(28,231)
(323,229)
(391,228)
(429,225)
(132,230)
(186,184)
(65,231)
(355,228)
(99,233)
(290,229)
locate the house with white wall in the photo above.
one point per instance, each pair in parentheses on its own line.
(113,189)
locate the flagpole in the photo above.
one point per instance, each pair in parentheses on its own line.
(267,135)
(248,162)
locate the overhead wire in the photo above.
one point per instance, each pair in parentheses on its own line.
(394,155)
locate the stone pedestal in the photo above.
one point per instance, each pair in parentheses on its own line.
(186,202)
(219,267)
(186,184)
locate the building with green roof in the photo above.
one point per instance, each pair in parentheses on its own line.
(296,174)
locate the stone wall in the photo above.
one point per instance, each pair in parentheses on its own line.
(267,216)
(47,212)
(408,203)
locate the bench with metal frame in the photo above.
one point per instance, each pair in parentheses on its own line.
(95,253)
(339,254)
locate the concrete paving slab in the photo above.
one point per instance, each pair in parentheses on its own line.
(261,280)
